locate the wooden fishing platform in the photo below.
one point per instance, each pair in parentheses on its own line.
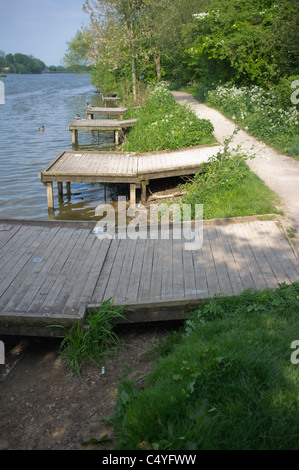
(52,273)
(118,127)
(110,99)
(108,93)
(92,110)
(119,167)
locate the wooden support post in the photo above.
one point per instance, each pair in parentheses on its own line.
(90,116)
(75,137)
(116,137)
(50,196)
(143,191)
(68,188)
(60,188)
(133,193)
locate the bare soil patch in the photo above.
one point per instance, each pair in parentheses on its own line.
(45,406)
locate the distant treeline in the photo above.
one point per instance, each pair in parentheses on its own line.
(22,63)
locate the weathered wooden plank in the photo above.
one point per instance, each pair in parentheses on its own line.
(95,271)
(63,270)
(86,261)
(167,268)
(212,278)
(146,273)
(156,277)
(15,293)
(221,268)
(229,260)
(15,243)
(99,291)
(253,266)
(35,295)
(116,269)
(178,280)
(257,244)
(78,269)
(72,268)
(276,256)
(7,232)
(124,278)
(20,260)
(135,274)
(239,258)
(287,256)
(189,274)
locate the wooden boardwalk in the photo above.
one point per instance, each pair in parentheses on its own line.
(120,167)
(113,125)
(52,272)
(109,99)
(92,110)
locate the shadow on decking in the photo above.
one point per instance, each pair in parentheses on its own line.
(158,278)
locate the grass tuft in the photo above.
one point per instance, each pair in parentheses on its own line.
(81,346)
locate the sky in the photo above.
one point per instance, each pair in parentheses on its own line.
(40,28)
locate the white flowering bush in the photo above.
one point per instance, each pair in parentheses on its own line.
(261,113)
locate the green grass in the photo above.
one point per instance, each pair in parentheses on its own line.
(247,197)
(227,382)
(81,346)
(164,124)
(227,187)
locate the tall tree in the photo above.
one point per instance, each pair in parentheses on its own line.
(114,32)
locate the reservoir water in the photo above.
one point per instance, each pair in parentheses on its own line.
(52,101)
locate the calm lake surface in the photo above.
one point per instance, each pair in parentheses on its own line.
(50,100)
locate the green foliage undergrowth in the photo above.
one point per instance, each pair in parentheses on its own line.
(228,188)
(89,345)
(267,114)
(227,383)
(164,124)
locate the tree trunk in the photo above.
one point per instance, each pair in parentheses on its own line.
(157,60)
(133,72)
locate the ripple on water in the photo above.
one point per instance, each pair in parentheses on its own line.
(49,100)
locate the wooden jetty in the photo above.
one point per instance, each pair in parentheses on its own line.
(119,167)
(110,99)
(52,273)
(108,93)
(118,127)
(92,110)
